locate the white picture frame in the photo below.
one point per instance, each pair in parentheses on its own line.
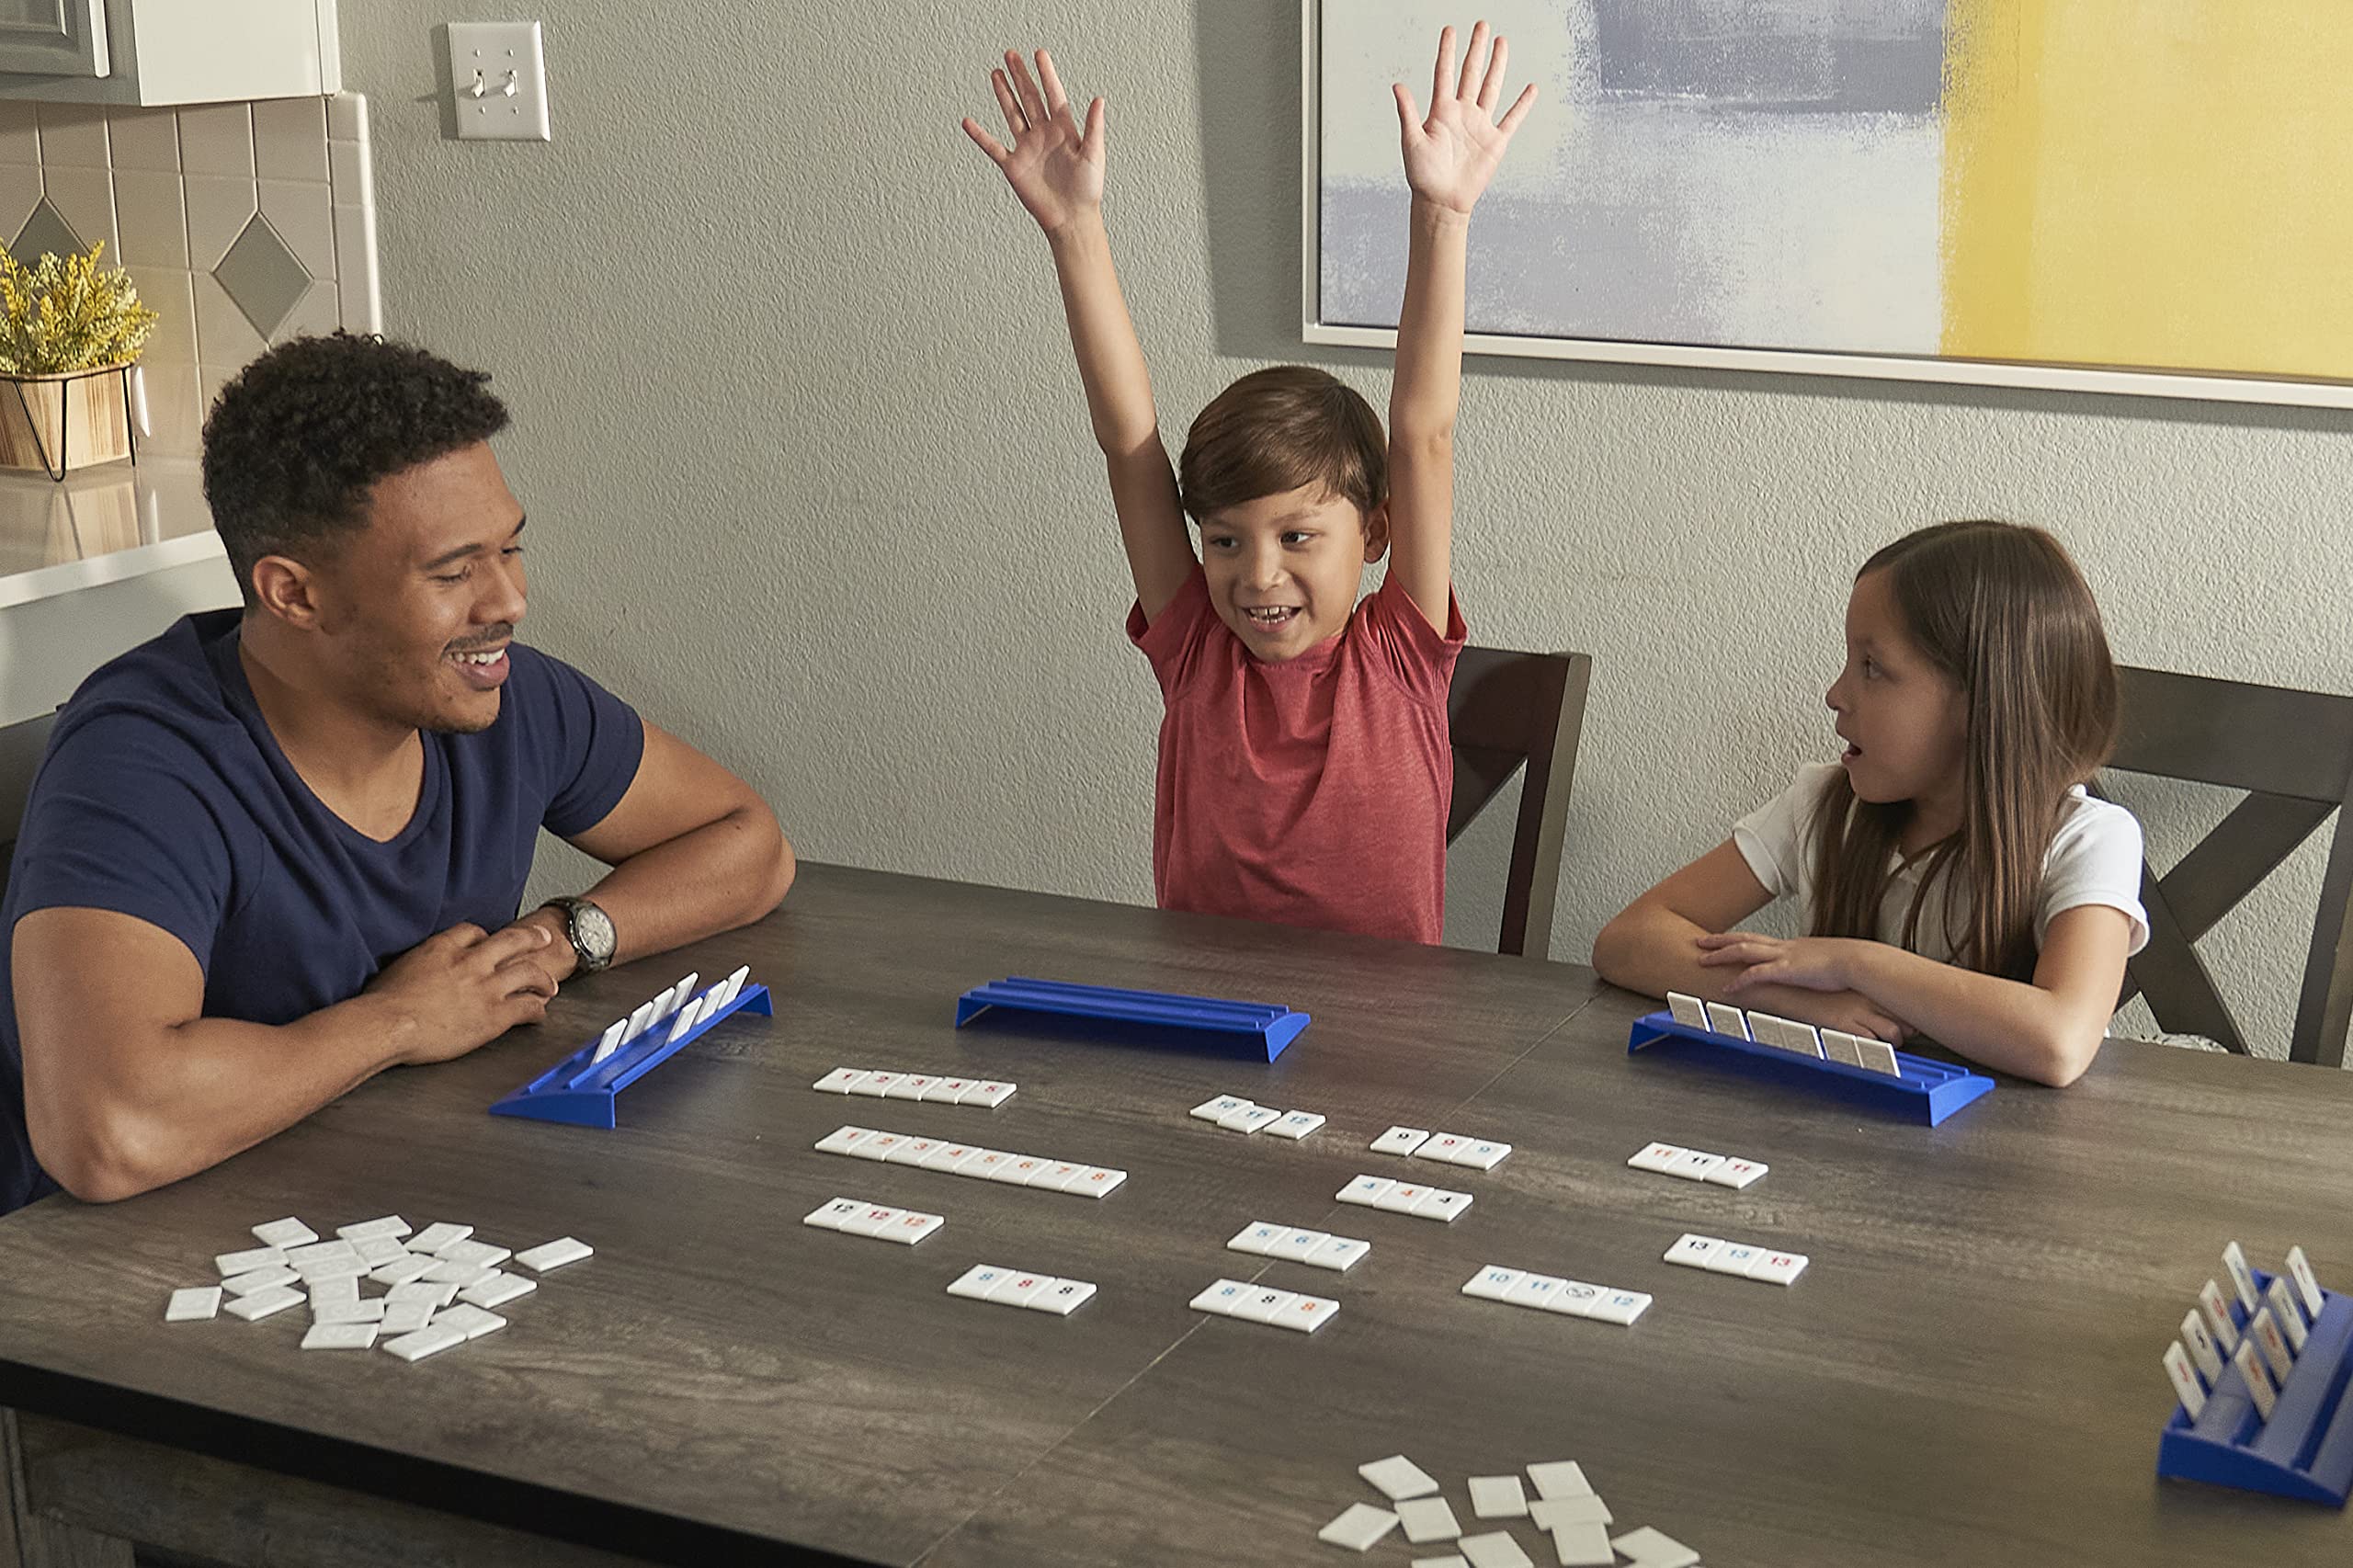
(2036,376)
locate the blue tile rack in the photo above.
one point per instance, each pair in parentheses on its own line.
(1257,1029)
(1927,1091)
(2305,1450)
(580,1090)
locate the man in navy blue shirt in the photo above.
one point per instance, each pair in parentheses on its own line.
(280,849)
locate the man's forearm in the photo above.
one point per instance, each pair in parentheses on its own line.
(217,1087)
(722,875)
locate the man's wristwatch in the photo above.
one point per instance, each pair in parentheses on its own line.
(590,930)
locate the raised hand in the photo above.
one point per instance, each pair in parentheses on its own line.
(1450,156)
(1054,166)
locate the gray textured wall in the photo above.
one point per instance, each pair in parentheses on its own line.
(810,480)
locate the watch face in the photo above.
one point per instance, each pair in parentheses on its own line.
(596,930)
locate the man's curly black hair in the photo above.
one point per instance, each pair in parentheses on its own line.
(296,442)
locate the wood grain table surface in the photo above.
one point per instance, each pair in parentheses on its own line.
(1966,1374)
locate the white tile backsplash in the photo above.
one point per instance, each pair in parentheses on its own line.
(304,219)
(151,219)
(170,191)
(217,210)
(291,139)
(218,139)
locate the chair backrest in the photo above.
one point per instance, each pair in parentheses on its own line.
(2292,753)
(20,751)
(1508,710)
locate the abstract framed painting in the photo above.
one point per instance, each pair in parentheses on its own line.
(2150,197)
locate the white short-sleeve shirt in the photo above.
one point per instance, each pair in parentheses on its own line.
(2093,858)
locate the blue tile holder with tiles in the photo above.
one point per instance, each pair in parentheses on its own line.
(1257,1029)
(2305,1450)
(1923,1090)
(580,1090)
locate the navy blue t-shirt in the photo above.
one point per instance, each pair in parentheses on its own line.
(163,795)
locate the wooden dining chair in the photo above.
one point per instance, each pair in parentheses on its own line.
(20,750)
(2291,751)
(1510,710)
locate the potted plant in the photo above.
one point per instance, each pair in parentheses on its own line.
(69,333)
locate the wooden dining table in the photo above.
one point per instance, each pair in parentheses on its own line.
(1967,1374)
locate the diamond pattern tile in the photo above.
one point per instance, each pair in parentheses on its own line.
(262,275)
(45,233)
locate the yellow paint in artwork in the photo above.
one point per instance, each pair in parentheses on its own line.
(2157,183)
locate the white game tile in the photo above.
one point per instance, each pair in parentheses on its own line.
(497,1291)
(199,1303)
(229,1264)
(1652,1549)
(390,1225)
(1250,1118)
(369,1310)
(260,1279)
(555,1254)
(325,1335)
(1620,1307)
(1728,1020)
(1305,1315)
(1221,1297)
(405,1317)
(1560,1478)
(1398,1478)
(472,1320)
(402,1269)
(1365,1191)
(1496,1548)
(1338,1254)
(1218,1109)
(1294,1246)
(1359,1528)
(1552,1512)
(1493,1283)
(1584,1546)
(1656,1157)
(1426,1520)
(286,1233)
(1688,1011)
(1294,1124)
(264,1303)
(977,1281)
(2186,1388)
(1256,1236)
(430,1340)
(438,1235)
(1400,1140)
(1498,1497)
(1264,1304)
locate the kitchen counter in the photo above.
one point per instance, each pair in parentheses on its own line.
(94,565)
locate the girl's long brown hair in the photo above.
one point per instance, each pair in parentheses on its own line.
(2001,611)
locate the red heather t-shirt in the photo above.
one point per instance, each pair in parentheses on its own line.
(1312,792)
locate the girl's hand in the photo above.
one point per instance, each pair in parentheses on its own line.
(1450,156)
(1809,963)
(1815,974)
(1055,167)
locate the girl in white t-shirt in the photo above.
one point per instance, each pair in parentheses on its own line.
(1955,880)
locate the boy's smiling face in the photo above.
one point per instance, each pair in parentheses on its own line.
(1283,570)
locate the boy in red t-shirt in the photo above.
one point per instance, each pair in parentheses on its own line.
(1305,772)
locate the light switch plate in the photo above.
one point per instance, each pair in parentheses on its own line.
(498,76)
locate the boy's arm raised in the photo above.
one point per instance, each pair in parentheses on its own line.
(1055,167)
(1449,157)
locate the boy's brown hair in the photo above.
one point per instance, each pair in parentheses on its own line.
(1277,429)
